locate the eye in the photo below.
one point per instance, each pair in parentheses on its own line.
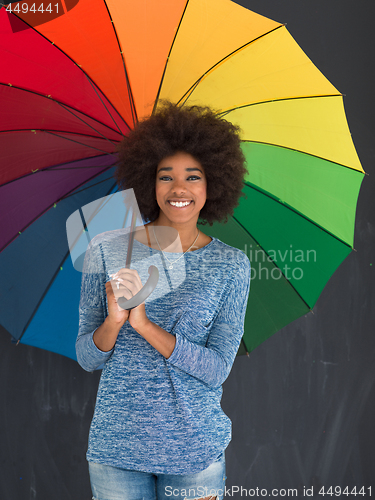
(190,178)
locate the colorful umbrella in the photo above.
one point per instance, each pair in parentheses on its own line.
(74,84)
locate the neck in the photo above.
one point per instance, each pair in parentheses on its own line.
(187,231)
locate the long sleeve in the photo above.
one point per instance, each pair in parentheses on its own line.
(212,363)
(92,310)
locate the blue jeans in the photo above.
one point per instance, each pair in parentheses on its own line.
(111,483)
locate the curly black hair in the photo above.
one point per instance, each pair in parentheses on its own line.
(198,131)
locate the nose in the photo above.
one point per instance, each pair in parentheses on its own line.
(179,186)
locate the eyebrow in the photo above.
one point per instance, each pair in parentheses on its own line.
(168,169)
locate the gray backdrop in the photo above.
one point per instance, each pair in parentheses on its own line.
(302,404)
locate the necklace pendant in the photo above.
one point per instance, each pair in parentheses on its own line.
(171,267)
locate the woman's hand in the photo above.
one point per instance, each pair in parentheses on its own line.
(116,315)
(127,283)
(106,335)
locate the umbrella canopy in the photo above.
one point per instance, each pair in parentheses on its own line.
(73,86)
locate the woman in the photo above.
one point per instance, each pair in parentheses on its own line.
(158,430)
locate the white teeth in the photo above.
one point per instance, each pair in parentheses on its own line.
(180,203)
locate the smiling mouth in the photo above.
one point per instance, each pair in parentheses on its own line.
(180,204)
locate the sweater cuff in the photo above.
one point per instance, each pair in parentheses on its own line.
(89,356)
(175,357)
(182,352)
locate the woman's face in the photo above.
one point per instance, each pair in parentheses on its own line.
(181,188)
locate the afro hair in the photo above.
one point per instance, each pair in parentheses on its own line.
(198,131)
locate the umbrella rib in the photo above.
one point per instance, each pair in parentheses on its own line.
(224,113)
(90,126)
(77,142)
(130,93)
(188,93)
(53,167)
(114,121)
(166,63)
(71,140)
(58,167)
(42,297)
(69,109)
(46,289)
(271,260)
(245,346)
(304,153)
(289,207)
(70,193)
(86,222)
(86,188)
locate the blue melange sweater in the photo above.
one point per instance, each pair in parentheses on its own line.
(154,414)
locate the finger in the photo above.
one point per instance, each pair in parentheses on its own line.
(129,279)
(114,291)
(127,274)
(113,308)
(125,285)
(123,272)
(123,292)
(109,289)
(118,288)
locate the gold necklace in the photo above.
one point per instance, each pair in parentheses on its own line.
(171,264)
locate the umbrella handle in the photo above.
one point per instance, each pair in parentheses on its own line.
(142,295)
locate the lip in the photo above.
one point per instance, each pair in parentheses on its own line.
(179,199)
